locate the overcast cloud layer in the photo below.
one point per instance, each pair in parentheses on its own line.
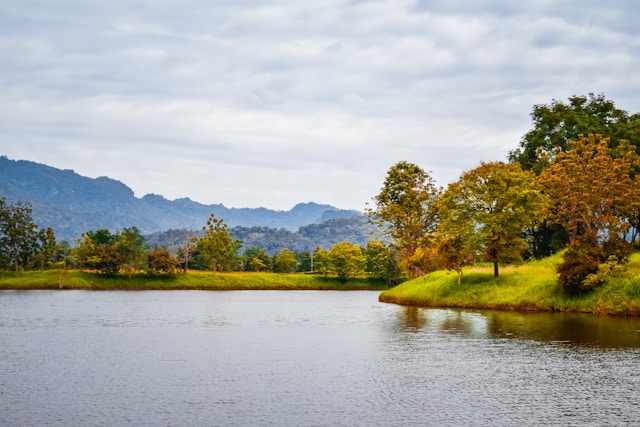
(271,103)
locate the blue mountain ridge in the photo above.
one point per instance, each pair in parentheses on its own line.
(72,204)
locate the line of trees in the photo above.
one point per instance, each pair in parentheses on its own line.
(573,183)
(24,247)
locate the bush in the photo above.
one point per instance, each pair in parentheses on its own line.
(160,261)
(578,263)
(585,267)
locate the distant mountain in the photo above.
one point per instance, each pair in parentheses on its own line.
(355,230)
(72,204)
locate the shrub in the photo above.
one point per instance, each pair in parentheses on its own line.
(578,263)
(160,261)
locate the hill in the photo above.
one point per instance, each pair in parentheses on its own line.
(72,204)
(356,230)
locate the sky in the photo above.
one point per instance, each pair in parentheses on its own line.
(273,103)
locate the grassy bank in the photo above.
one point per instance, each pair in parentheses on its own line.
(193,280)
(529,287)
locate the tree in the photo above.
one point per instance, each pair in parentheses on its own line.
(46,248)
(556,124)
(84,252)
(454,254)
(489,208)
(187,251)
(595,199)
(18,233)
(347,260)
(217,247)
(405,210)
(102,236)
(285,261)
(107,259)
(322,261)
(160,261)
(256,259)
(381,263)
(305,263)
(130,243)
(594,194)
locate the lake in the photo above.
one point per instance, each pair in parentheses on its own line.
(305,358)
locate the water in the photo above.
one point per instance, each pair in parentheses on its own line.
(305,358)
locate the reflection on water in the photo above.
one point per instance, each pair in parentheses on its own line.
(573,329)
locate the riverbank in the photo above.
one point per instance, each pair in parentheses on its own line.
(532,286)
(72,279)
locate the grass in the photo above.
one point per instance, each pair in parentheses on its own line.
(52,279)
(532,286)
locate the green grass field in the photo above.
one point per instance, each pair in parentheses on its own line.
(52,279)
(528,287)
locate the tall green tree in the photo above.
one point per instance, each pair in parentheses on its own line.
(405,209)
(489,207)
(133,249)
(18,233)
(47,248)
(217,246)
(381,262)
(557,123)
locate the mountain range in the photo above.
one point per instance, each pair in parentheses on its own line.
(72,204)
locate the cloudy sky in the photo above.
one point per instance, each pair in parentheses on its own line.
(271,103)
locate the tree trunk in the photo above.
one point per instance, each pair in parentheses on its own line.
(495,269)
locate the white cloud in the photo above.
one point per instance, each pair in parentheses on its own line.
(273,103)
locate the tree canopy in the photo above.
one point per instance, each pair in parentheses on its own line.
(405,208)
(556,124)
(489,207)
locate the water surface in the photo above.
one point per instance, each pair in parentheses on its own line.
(305,358)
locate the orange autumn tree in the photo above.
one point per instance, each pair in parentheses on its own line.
(595,192)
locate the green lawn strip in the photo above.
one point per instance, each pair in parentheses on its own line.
(529,287)
(53,279)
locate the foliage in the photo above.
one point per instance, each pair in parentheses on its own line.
(255,259)
(382,263)
(285,261)
(160,261)
(131,246)
(216,247)
(489,208)
(45,248)
(322,261)
(305,263)
(404,208)
(556,124)
(593,192)
(454,254)
(18,234)
(347,260)
(106,259)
